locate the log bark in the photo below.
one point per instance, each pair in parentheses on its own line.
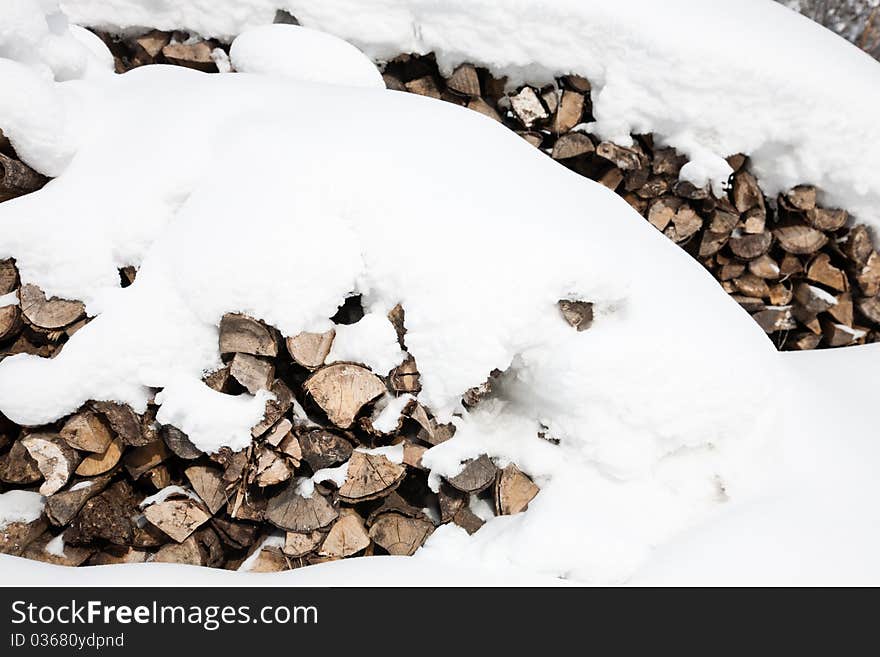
(477,475)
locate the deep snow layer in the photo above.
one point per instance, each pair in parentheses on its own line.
(711,77)
(281,200)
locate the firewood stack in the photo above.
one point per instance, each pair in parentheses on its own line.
(321,472)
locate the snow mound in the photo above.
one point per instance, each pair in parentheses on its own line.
(655,67)
(298,52)
(20,506)
(288,197)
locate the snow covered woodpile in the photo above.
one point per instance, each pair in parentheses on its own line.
(334,469)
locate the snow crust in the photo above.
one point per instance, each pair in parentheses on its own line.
(657,67)
(371,341)
(274,49)
(20,506)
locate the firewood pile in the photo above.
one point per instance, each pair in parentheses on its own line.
(323,479)
(119,487)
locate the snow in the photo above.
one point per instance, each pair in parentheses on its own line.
(276,203)
(388,416)
(10,299)
(289,51)
(371,341)
(306,485)
(162,495)
(55,547)
(20,506)
(824,295)
(80,485)
(655,67)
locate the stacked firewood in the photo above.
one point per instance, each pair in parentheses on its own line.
(806,273)
(323,478)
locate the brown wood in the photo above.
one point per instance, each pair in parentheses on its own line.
(822,271)
(107,516)
(424,86)
(310,349)
(64,505)
(477,475)
(323,449)
(140,459)
(46,313)
(405,377)
(626,159)
(275,408)
(370,476)
(270,469)
(96,464)
(800,240)
(10,322)
(775,319)
(578,314)
(802,197)
(843,310)
(347,537)
(177,518)
(55,459)
(87,432)
(827,220)
(764,267)
(253,373)
(870,308)
(16,178)
(868,277)
(745,193)
(151,43)
(8,277)
(528,108)
(17,536)
(208,484)
(186,552)
(484,108)
(124,422)
(572,145)
(399,534)
(858,246)
(179,443)
(18,467)
(513,491)
(246,335)
(342,389)
(749,247)
(464,80)
(191,55)
(71,556)
(569,112)
(299,545)
(291,511)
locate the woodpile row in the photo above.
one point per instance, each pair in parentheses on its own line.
(119,487)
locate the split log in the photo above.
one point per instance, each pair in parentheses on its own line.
(764,267)
(158,477)
(179,443)
(208,484)
(46,313)
(870,308)
(177,518)
(775,319)
(405,377)
(107,516)
(754,221)
(572,145)
(270,469)
(780,294)
(790,265)
(812,299)
(96,464)
(685,225)
(186,552)
(87,432)
(400,535)
(55,458)
(536,139)
(527,107)
(278,432)
(412,455)
(800,240)
(477,475)
(53,550)
(113,555)
(569,112)
(150,44)
(686,189)
(868,277)
(124,422)
(64,505)
(275,408)
(18,467)
(10,322)
(803,341)
(723,221)
(749,304)
(252,372)
(842,310)
(323,449)
(269,560)
(838,335)
(8,277)
(291,448)
(15,537)
(513,491)
(626,159)
(667,162)
(662,211)
(578,314)
(17,179)
(752,286)
(745,193)
(370,476)
(140,459)
(822,271)
(424,86)
(310,349)
(802,197)
(711,243)
(550,96)
(299,545)
(827,220)
(749,247)
(858,246)
(220,380)
(236,535)
(464,80)
(347,537)
(484,108)
(653,188)
(342,389)
(191,55)
(245,335)
(292,512)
